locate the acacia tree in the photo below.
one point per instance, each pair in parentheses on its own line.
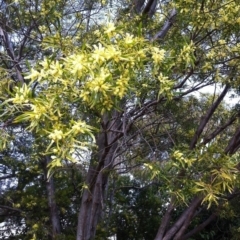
(82,102)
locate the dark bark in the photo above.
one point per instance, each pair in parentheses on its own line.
(10,208)
(138,5)
(206,118)
(150,8)
(9,48)
(234,143)
(89,6)
(217,131)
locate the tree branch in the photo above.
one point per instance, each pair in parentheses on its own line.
(177,225)
(150,8)
(219,129)
(10,208)
(9,49)
(199,227)
(206,118)
(167,25)
(234,142)
(165,221)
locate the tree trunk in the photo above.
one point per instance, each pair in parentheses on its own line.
(97,178)
(54,216)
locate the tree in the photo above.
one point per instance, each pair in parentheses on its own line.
(98,88)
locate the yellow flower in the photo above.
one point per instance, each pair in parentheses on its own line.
(157,55)
(79,127)
(162,79)
(34,75)
(56,70)
(114,53)
(97,33)
(76,64)
(129,38)
(99,84)
(121,88)
(45,63)
(109,28)
(22,95)
(56,135)
(38,110)
(222,41)
(99,53)
(85,95)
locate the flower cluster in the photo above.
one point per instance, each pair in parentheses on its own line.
(92,78)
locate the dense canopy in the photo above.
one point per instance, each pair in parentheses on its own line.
(119,119)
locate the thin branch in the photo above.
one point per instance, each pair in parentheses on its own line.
(206,118)
(219,129)
(11,208)
(180,85)
(26,37)
(9,49)
(167,25)
(234,142)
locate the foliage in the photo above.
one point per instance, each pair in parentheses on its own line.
(99,95)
